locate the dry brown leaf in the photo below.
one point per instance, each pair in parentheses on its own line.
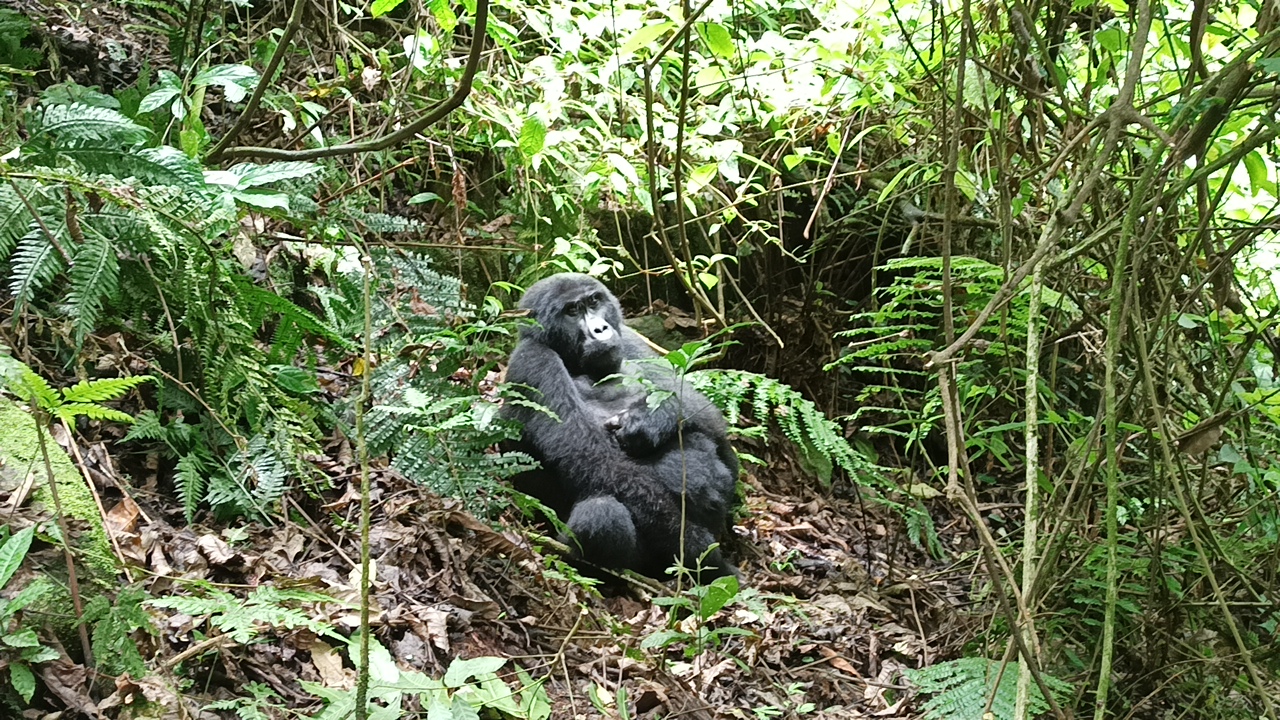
(67,681)
(215,549)
(437,625)
(838,662)
(328,663)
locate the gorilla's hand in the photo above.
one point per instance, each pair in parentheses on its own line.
(641,432)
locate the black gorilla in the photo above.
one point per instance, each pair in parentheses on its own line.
(614,468)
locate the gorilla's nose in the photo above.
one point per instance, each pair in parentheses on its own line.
(601,329)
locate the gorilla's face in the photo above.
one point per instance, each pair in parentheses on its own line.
(580,320)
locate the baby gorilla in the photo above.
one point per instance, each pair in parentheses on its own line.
(618,473)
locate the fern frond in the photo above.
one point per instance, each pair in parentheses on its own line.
(14,219)
(146,426)
(93,391)
(190,476)
(87,123)
(36,263)
(33,388)
(261,301)
(94,277)
(70,411)
(162,166)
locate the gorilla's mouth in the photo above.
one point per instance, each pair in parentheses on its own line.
(600,359)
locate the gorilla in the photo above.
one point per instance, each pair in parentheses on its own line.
(632,448)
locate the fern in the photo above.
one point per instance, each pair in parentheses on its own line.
(243,620)
(36,263)
(960,689)
(114,649)
(820,440)
(15,219)
(94,276)
(190,477)
(101,390)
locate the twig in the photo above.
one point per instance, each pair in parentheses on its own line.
(282,48)
(97,500)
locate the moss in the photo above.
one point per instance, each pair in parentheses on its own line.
(20,448)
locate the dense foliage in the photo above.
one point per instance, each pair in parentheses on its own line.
(1023,254)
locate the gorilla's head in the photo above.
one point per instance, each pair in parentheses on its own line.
(580,319)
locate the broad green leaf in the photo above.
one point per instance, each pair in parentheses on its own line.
(24,683)
(157,98)
(663,638)
(701,177)
(39,654)
(709,80)
(252,175)
(717,595)
(442,10)
(717,39)
(12,553)
(235,80)
(460,671)
(296,380)
(1270,65)
(424,198)
(269,199)
(645,37)
(708,280)
(382,7)
(24,638)
(1257,168)
(533,137)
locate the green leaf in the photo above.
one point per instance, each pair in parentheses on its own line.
(268,199)
(70,411)
(24,682)
(1270,65)
(645,37)
(382,7)
(24,638)
(34,389)
(442,11)
(717,595)
(1257,168)
(296,380)
(708,280)
(12,553)
(663,638)
(157,99)
(709,80)
(235,80)
(424,198)
(717,39)
(533,137)
(701,177)
(39,654)
(253,175)
(460,671)
(92,391)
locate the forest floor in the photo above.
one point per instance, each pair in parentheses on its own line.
(834,603)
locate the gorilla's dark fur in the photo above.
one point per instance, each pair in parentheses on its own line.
(613,469)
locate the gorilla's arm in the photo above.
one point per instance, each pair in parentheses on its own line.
(642,429)
(557,441)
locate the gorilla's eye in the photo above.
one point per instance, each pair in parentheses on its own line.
(593,301)
(571,310)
